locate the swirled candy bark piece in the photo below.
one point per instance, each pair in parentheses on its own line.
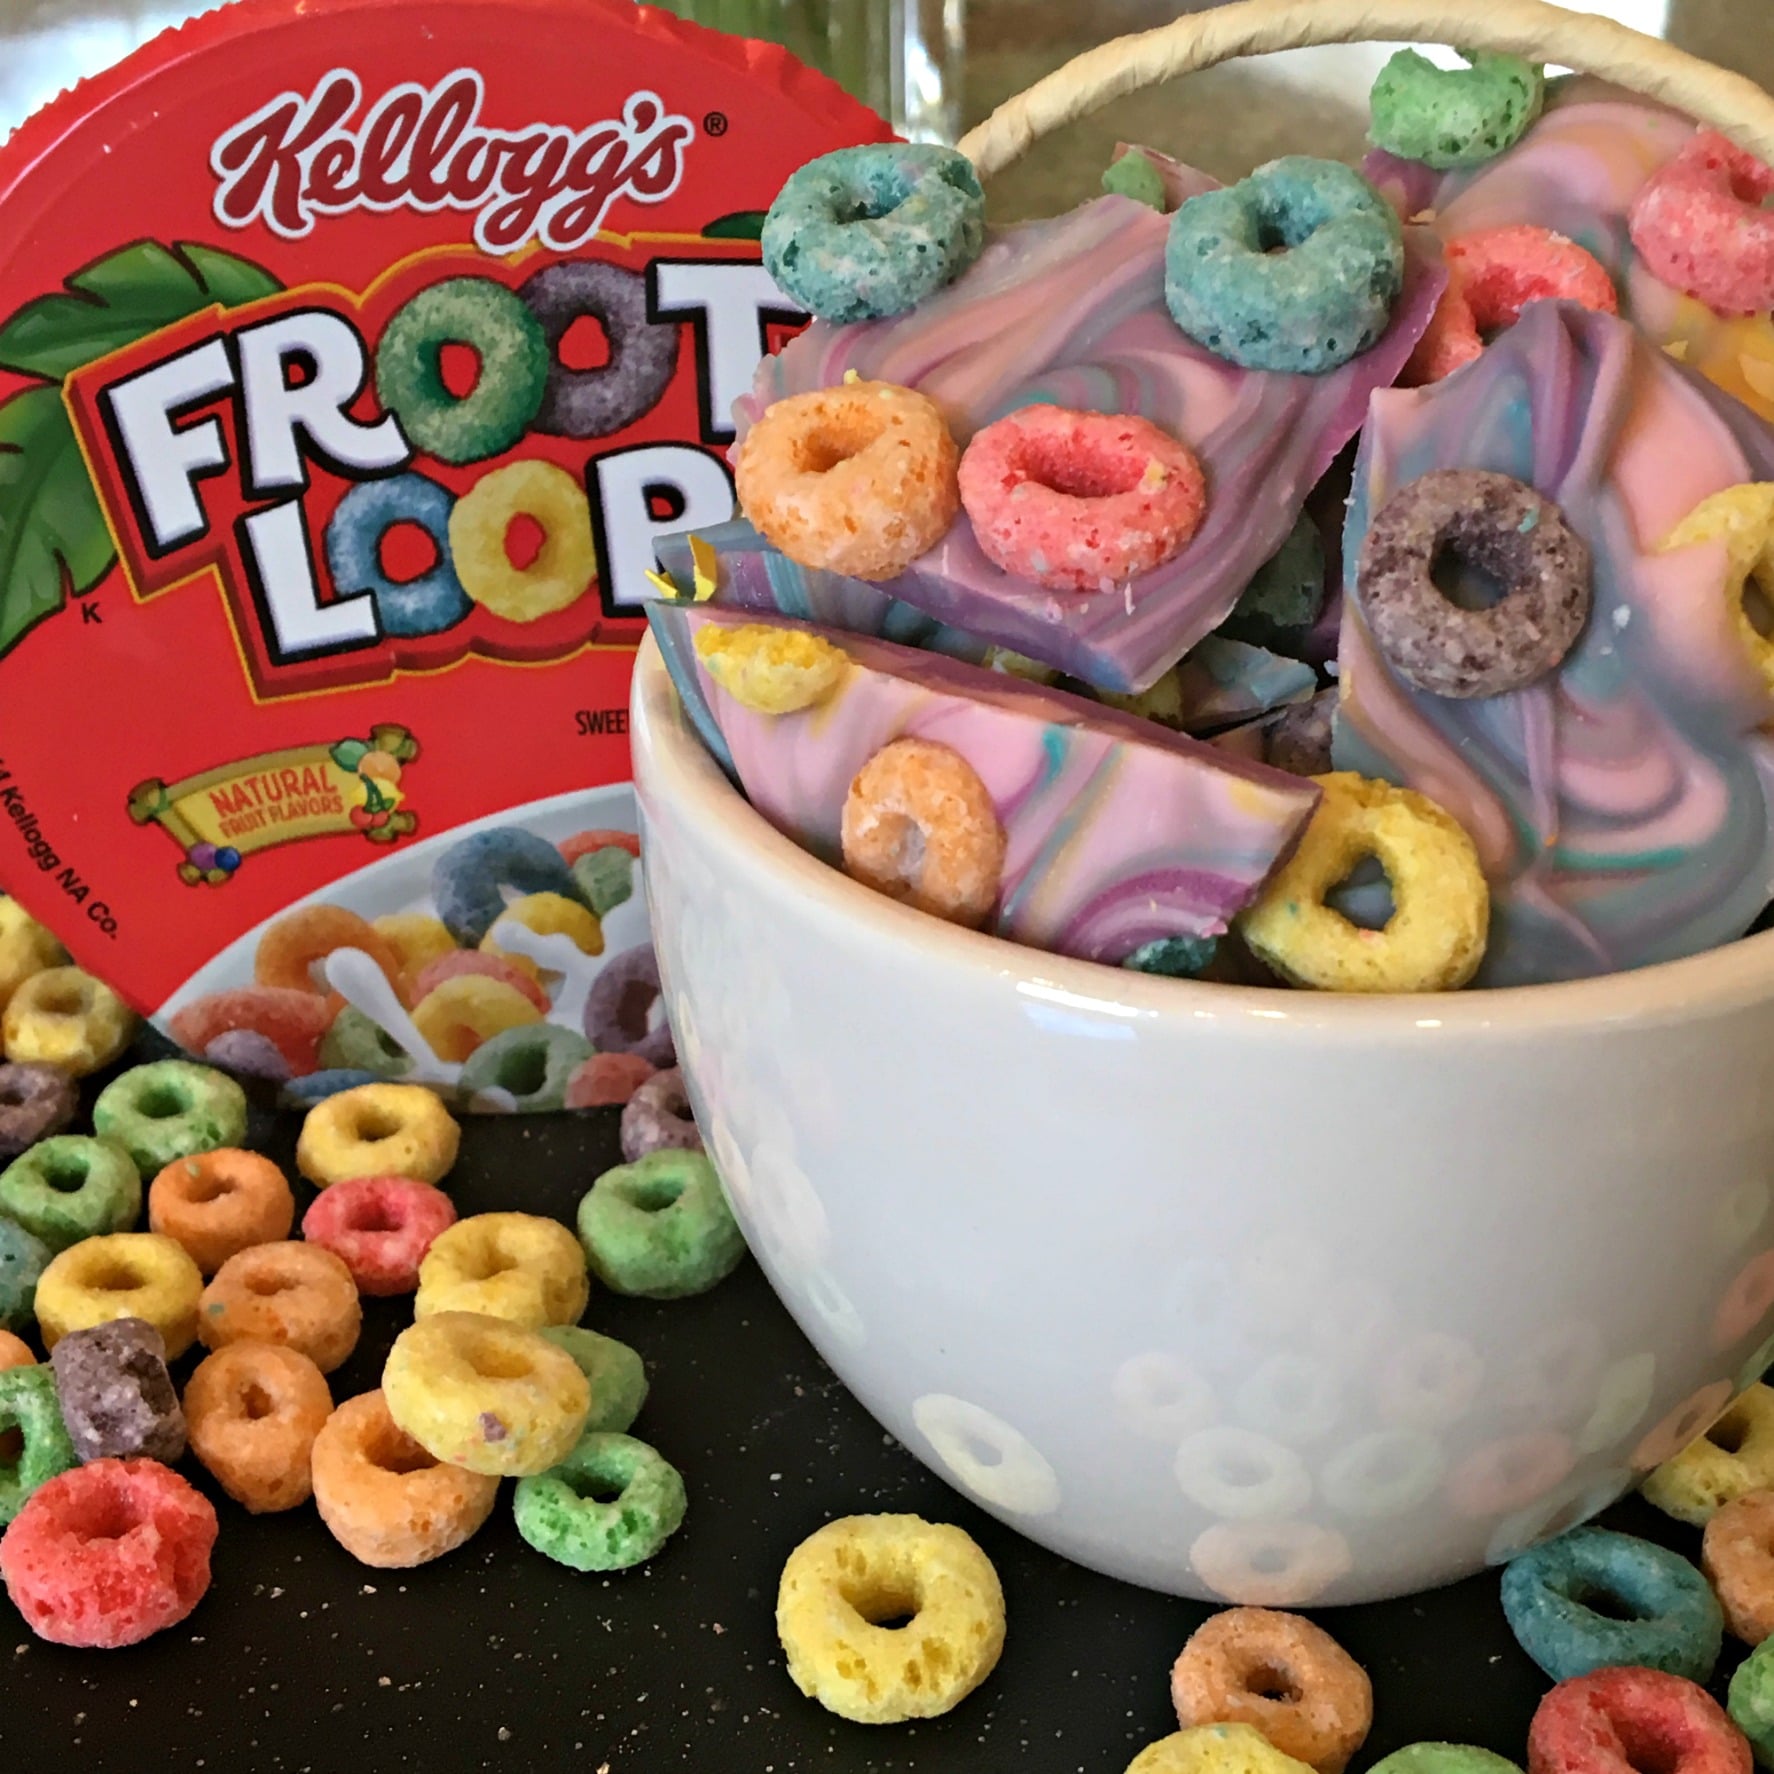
(1577,172)
(1071,312)
(1621,805)
(1116,832)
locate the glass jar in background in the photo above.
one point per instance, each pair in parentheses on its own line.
(902,57)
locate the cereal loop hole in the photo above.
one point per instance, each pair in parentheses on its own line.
(523,1071)
(890,1603)
(64,1171)
(160,1102)
(376,1123)
(653,1194)
(405,552)
(458,367)
(113,1278)
(524,538)
(584,345)
(265,1283)
(63,999)
(256,1403)
(390,1451)
(206,1184)
(593,1487)
(1470,578)
(494,1363)
(1268,1681)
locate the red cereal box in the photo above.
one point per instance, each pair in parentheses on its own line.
(352,355)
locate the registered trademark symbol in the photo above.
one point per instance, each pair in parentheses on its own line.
(715,123)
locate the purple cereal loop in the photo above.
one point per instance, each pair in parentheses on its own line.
(35,1102)
(116,1396)
(657,1118)
(619,1004)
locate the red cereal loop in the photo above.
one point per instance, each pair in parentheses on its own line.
(109,1554)
(478,961)
(1080,501)
(588,843)
(1699,226)
(1510,1473)
(380,1228)
(607,1080)
(1620,1721)
(1493,274)
(293,1022)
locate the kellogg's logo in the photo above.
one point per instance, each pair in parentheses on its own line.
(426,149)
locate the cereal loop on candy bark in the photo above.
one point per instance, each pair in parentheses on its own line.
(772,671)
(1699,225)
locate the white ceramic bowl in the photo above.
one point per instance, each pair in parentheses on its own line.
(1241,1293)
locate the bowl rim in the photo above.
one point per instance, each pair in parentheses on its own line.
(1714,983)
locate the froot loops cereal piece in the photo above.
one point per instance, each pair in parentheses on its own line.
(564,1513)
(122,1275)
(1658,1612)
(1496,525)
(14,1352)
(1079,501)
(606,878)
(1444,1758)
(356,1043)
(430,601)
(36,1102)
(64,1017)
(304,1093)
(384,1498)
(607,1080)
(170,1109)
(513,369)
(858,479)
(1733,1457)
(1737,1555)
(660,1227)
(586,843)
(532,1064)
(1238,1473)
(1316,304)
(378,1130)
(919,825)
(547,914)
(1698,224)
(417,940)
(1285,595)
(516,1266)
(292,1021)
(841,1582)
(117,1399)
(26,948)
(1742,518)
(772,671)
(1750,1701)
(380,1228)
(989,1457)
(70,1187)
(1269,1564)
(871,231)
(657,1118)
(616,1374)
(1237,1663)
(1435,938)
(456,1016)
(1214,1749)
(1448,117)
(30,1409)
(621,1009)
(23,1258)
(519,974)
(1615,1719)
(252,1412)
(294,1293)
(1133,175)
(562,569)
(643,352)
(469,881)
(486,1394)
(291,951)
(109,1554)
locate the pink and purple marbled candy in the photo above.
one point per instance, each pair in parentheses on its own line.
(1071,311)
(1623,807)
(1119,832)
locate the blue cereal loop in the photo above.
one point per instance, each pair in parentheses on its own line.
(867,232)
(1319,303)
(1675,1625)
(468,879)
(426,605)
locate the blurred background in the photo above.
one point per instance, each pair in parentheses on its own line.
(936,66)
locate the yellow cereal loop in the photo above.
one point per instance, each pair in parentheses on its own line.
(564,566)
(515,1266)
(1436,936)
(854,1573)
(64,1017)
(1734,1457)
(122,1275)
(26,947)
(377,1130)
(1742,518)
(486,1394)
(1215,1749)
(774,671)
(458,1014)
(1162,703)
(548,914)
(416,938)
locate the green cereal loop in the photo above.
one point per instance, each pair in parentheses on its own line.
(28,1403)
(71,1187)
(1181,957)
(1448,117)
(611,1503)
(605,877)
(170,1109)
(23,1258)
(1443,1758)
(532,1061)
(1133,175)
(617,1375)
(1285,595)
(660,1227)
(356,1043)
(1750,1701)
(507,392)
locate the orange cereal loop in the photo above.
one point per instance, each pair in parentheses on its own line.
(219,1203)
(1280,1673)
(417,939)
(15,1352)
(294,1293)
(1737,1555)
(920,826)
(379,1130)
(857,479)
(290,952)
(386,1500)
(461,1012)
(252,1411)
